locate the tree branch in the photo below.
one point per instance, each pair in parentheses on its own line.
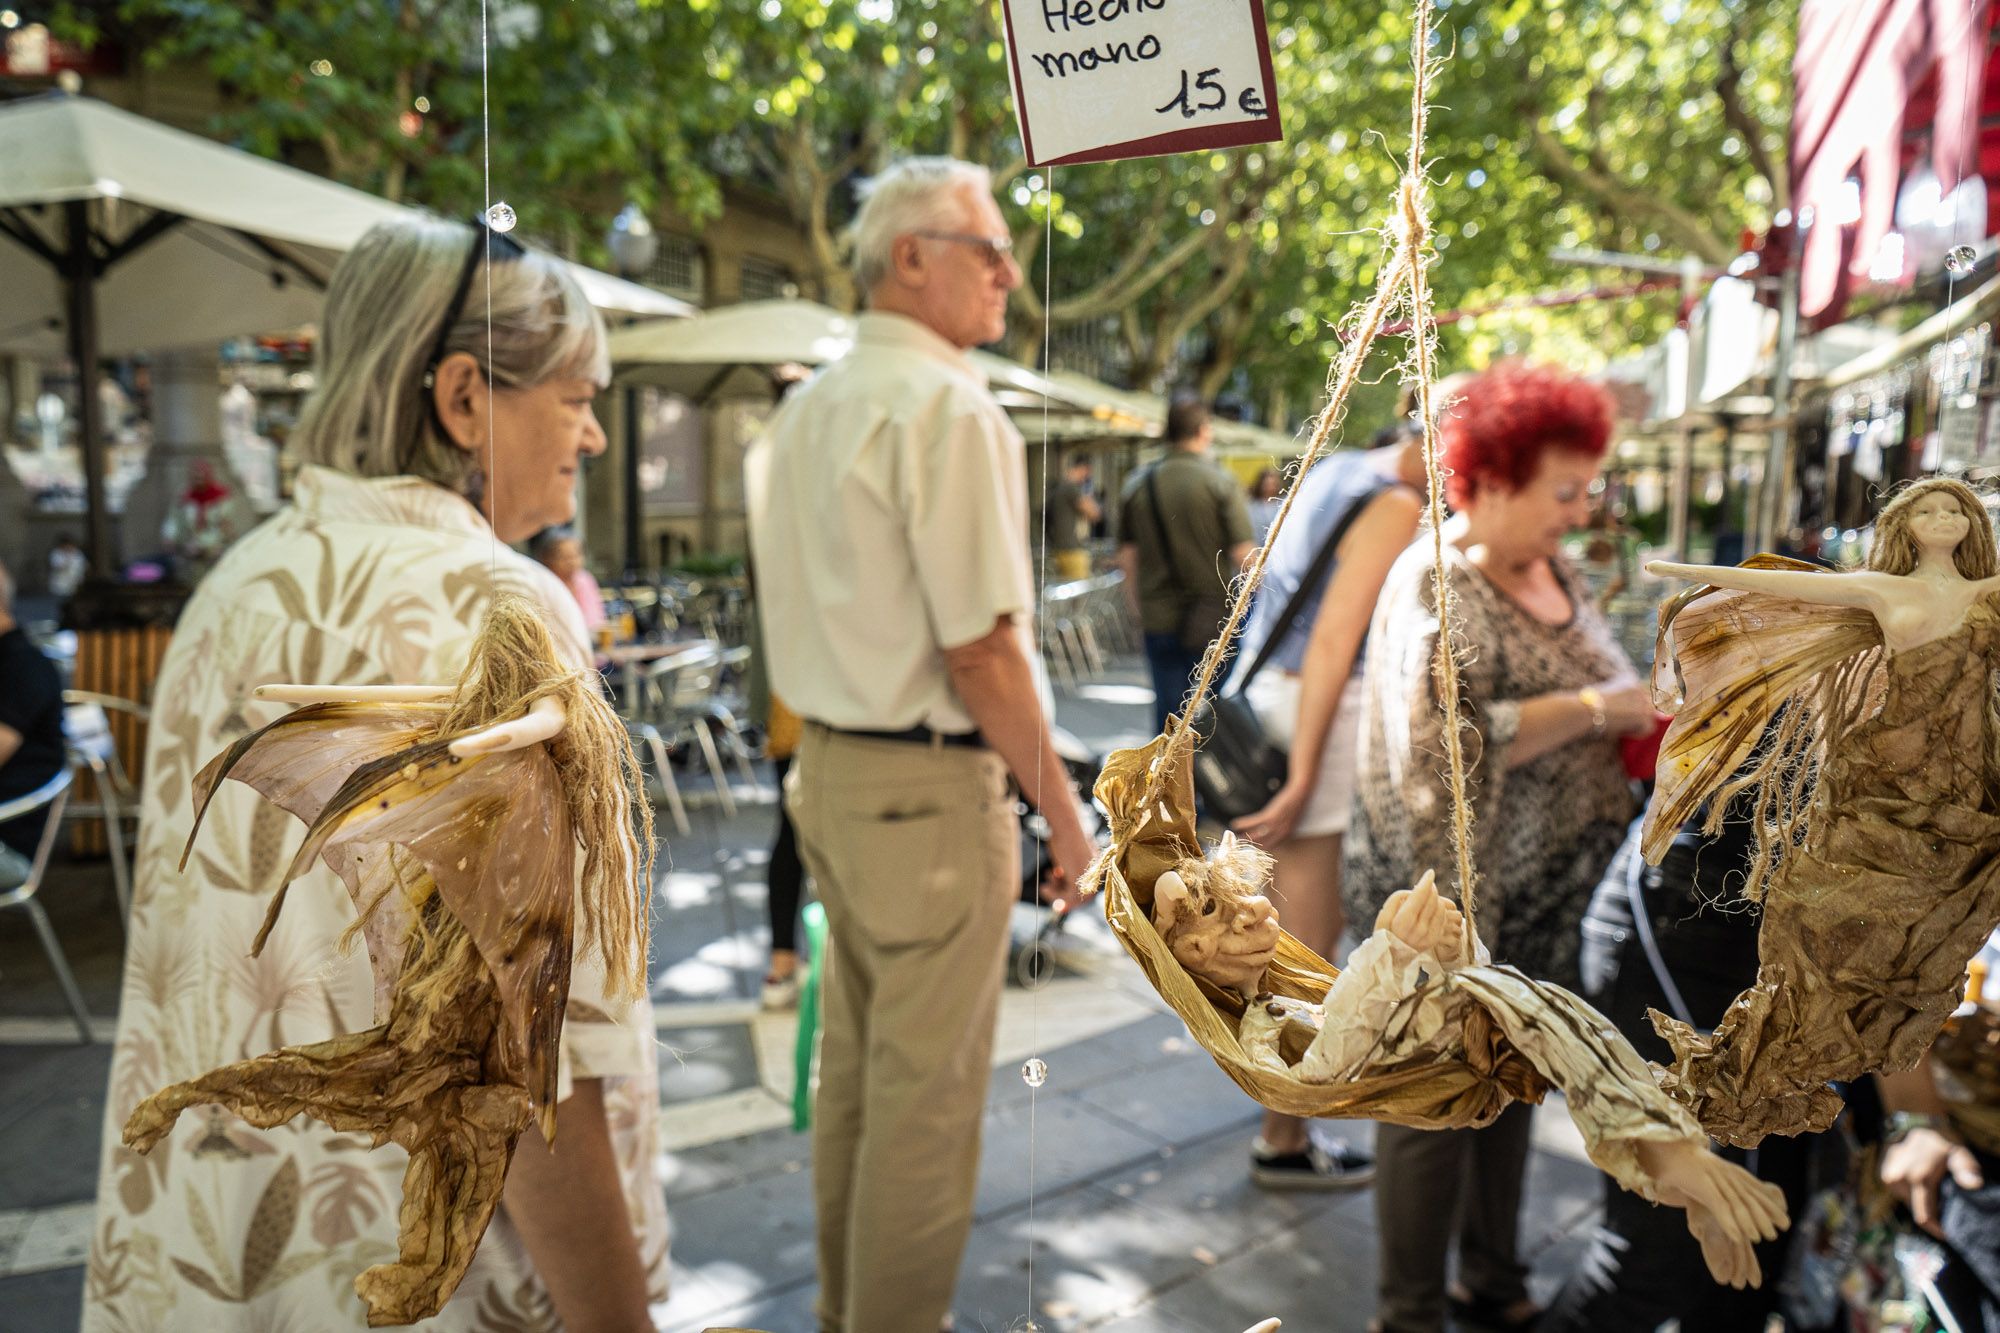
(1122,289)
(1234,270)
(1229,331)
(1596,176)
(1739,118)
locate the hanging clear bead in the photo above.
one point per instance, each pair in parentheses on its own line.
(1961,259)
(500,216)
(1035,1073)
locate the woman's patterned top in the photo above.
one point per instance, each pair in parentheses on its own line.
(1544,831)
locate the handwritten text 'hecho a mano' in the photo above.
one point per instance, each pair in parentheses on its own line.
(1207,92)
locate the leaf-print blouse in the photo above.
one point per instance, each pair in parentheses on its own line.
(224,1227)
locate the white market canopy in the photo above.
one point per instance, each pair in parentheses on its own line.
(731,351)
(735,351)
(191,241)
(1149,412)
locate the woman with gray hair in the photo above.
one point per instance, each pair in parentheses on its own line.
(456,373)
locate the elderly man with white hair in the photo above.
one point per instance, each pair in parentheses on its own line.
(889,519)
(31,738)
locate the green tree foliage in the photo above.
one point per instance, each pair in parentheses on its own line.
(1560,123)
(587,103)
(1647,129)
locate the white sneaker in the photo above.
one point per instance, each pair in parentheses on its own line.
(783,993)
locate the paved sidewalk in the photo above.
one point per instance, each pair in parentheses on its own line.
(1115,1197)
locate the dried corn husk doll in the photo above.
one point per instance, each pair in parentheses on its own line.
(454,815)
(1406,995)
(1878,797)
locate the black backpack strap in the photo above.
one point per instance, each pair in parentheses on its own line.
(1180,589)
(1322,561)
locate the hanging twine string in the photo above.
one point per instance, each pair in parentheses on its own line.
(1423,351)
(1403,278)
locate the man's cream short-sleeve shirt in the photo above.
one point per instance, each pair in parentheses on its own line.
(889,520)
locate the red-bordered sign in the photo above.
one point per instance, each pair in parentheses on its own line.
(1099,80)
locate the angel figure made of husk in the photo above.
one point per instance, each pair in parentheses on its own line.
(455,815)
(1420,1029)
(1857,711)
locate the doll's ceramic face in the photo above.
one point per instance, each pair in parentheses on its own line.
(1938,523)
(1229,945)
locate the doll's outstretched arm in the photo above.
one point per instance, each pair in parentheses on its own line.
(354,694)
(1728,1209)
(1860,588)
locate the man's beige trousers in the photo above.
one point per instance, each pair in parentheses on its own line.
(916,852)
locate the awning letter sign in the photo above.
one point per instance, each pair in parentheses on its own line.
(1097,80)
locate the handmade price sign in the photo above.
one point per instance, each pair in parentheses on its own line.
(1098,80)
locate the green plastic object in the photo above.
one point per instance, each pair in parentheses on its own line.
(814,917)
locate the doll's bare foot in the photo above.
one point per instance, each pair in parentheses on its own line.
(1728,1209)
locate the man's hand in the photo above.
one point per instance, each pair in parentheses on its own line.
(993,679)
(1072,852)
(1914,1167)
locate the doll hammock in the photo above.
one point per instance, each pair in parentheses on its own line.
(1148,792)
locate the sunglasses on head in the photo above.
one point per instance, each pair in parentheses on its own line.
(486,244)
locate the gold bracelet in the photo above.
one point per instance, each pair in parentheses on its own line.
(1593,699)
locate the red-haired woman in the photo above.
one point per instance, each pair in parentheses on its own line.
(1546,694)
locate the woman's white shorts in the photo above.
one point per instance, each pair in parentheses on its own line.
(1274,695)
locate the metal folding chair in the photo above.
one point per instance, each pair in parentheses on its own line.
(87,736)
(648,738)
(677,691)
(51,797)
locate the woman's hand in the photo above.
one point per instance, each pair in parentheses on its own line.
(1628,708)
(1914,1166)
(1274,823)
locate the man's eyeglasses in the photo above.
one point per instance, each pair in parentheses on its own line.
(485,241)
(996,250)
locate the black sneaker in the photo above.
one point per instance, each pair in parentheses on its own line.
(1337,1166)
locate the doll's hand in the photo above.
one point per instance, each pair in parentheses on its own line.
(1424,921)
(544,720)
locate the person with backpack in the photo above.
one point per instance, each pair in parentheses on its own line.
(1183,533)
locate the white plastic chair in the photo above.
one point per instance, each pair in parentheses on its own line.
(51,796)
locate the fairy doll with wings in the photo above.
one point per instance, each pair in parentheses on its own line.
(456,817)
(1878,791)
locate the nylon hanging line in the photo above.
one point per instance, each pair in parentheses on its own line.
(1042,634)
(1402,278)
(486,237)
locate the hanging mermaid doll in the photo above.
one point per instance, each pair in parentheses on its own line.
(1877,864)
(455,816)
